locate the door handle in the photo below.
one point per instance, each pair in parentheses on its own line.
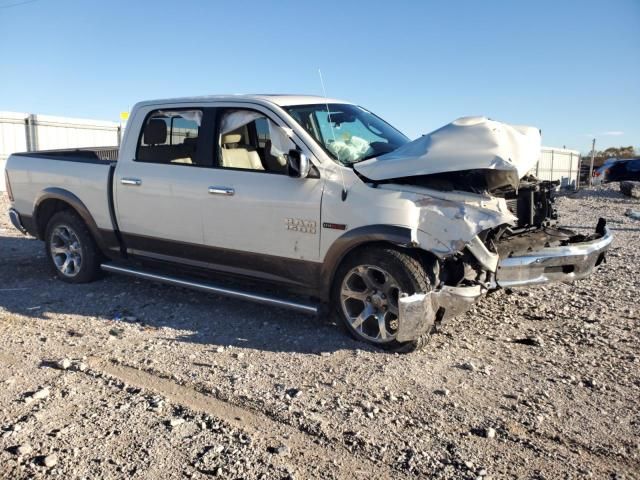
(131,181)
(221,191)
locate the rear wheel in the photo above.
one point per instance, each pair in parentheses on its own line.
(366,292)
(71,248)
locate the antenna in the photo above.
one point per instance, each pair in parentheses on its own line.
(333,134)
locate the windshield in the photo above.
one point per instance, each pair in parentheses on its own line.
(348,133)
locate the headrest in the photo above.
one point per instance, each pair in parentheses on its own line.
(155,132)
(231,138)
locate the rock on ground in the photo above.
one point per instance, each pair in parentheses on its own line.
(630,188)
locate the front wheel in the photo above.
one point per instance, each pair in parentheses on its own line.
(366,292)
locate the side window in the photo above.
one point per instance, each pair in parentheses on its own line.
(249,140)
(170,137)
(633,165)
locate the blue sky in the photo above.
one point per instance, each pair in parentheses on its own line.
(571,68)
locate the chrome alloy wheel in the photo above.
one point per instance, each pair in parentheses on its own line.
(369,301)
(66,250)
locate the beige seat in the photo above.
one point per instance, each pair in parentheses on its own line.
(235,155)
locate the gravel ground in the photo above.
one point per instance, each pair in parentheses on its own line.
(130,379)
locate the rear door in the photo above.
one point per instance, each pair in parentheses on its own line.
(158,193)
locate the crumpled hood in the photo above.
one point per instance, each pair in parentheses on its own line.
(506,152)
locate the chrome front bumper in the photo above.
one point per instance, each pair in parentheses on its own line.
(554,264)
(14,216)
(418,312)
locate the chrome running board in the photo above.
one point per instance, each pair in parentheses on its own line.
(210,288)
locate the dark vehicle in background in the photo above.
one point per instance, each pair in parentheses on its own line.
(617,170)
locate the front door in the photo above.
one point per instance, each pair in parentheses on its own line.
(264,220)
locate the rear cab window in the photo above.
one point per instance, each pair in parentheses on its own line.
(171,137)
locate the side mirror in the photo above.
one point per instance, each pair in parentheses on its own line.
(298,164)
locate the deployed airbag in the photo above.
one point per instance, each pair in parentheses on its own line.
(504,152)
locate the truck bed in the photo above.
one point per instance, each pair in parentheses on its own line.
(85,172)
(85,155)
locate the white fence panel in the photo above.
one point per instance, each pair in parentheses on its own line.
(558,164)
(22,132)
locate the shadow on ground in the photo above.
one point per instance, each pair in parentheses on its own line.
(29,287)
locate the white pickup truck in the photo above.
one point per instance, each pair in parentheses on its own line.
(302,202)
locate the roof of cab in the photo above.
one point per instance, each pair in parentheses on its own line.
(282,100)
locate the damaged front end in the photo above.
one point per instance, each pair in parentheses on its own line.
(457,229)
(534,257)
(520,253)
(484,219)
(485,241)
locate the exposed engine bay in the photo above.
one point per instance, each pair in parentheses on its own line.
(532,202)
(534,228)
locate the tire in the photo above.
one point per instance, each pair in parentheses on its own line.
(366,288)
(71,249)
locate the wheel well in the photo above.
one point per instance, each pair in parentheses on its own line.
(428,260)
(48,209)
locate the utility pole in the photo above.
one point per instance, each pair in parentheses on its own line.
(593,157)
